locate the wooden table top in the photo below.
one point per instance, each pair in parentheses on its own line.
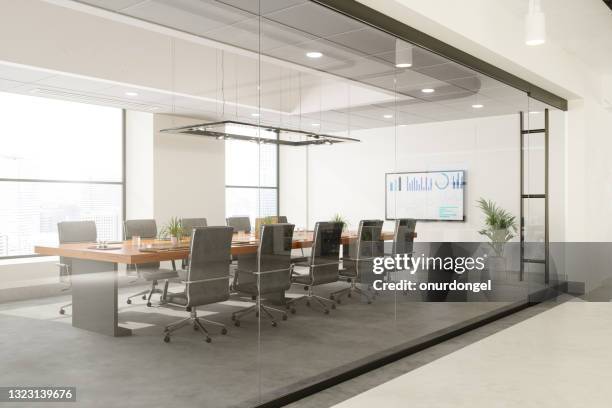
(163,250)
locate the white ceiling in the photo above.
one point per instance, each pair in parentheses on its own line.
(196,59)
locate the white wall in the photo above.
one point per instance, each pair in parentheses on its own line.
(348,178)
(188,174)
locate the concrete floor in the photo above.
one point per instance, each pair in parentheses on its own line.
(557,358)
(252,363)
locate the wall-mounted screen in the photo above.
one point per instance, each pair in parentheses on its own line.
(426,196)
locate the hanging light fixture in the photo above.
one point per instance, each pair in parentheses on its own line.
(535,24)
(403,54)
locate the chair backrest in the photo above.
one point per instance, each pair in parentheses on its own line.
(239,223)
(146,229)
(208,272)
(74,232)
(403,236)
(369,239)
(281,219)
(274,257)
(189,224)
(141,228)
(325,255)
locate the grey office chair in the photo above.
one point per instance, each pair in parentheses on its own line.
(188,225)
(323,264)
(358,259)
(281,219)
(269,272)
(206,279)
(73,232)
(239,223)
(151,272)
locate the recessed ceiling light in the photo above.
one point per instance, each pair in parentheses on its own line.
(387,116)
(403,125)
(131,93)
(255,115)
(428,90)
(316,124)
(477,106)
(403,65)
(534,113)
(314,54)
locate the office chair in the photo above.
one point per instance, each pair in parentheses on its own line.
(73,232)
(281,219)
(269,272)
(239,223)
(403,241)
(206,279)
(151,272)
(188,225)
(323,264)
(358,259)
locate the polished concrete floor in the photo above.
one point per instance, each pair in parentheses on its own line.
(252,363)
(558,358)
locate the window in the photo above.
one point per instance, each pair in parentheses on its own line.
(59,161)
(251,185)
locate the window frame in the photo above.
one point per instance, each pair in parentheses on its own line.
(277,187)
(122,183)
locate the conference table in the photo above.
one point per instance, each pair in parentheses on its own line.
(95,277)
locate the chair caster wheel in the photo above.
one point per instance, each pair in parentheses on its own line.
(62,311)
(166,339)
(349,294)
(331,297)
(285,316)
(369,302)
(195,328)
(293,310)
(326,311)
(237,323)
(148,304)
(274,324)
(129,301)
(144,297)
(338,301)
(208,339)
(233,318)
(308,303)
(224,331)
(256,314)
(333,306)
(253,297)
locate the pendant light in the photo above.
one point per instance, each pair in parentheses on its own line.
(403,54)
(535,24)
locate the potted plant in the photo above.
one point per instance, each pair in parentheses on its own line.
(340,220)
(173,229)
(500,228)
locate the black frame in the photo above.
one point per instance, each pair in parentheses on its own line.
(420,172)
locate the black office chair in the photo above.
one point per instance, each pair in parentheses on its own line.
(403,242)
(269,272)
(239,223)
(206,279)
(323,264)
(188,224)
(151,271)
(358,260)
(73,232)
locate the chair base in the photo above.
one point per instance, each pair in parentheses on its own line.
(147,294)
(353,288)
(62,310)
(257,308)
(309,298)
(196,322)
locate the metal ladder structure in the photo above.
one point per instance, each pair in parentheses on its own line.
(531,196)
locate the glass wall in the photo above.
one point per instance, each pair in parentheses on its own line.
(380,196)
